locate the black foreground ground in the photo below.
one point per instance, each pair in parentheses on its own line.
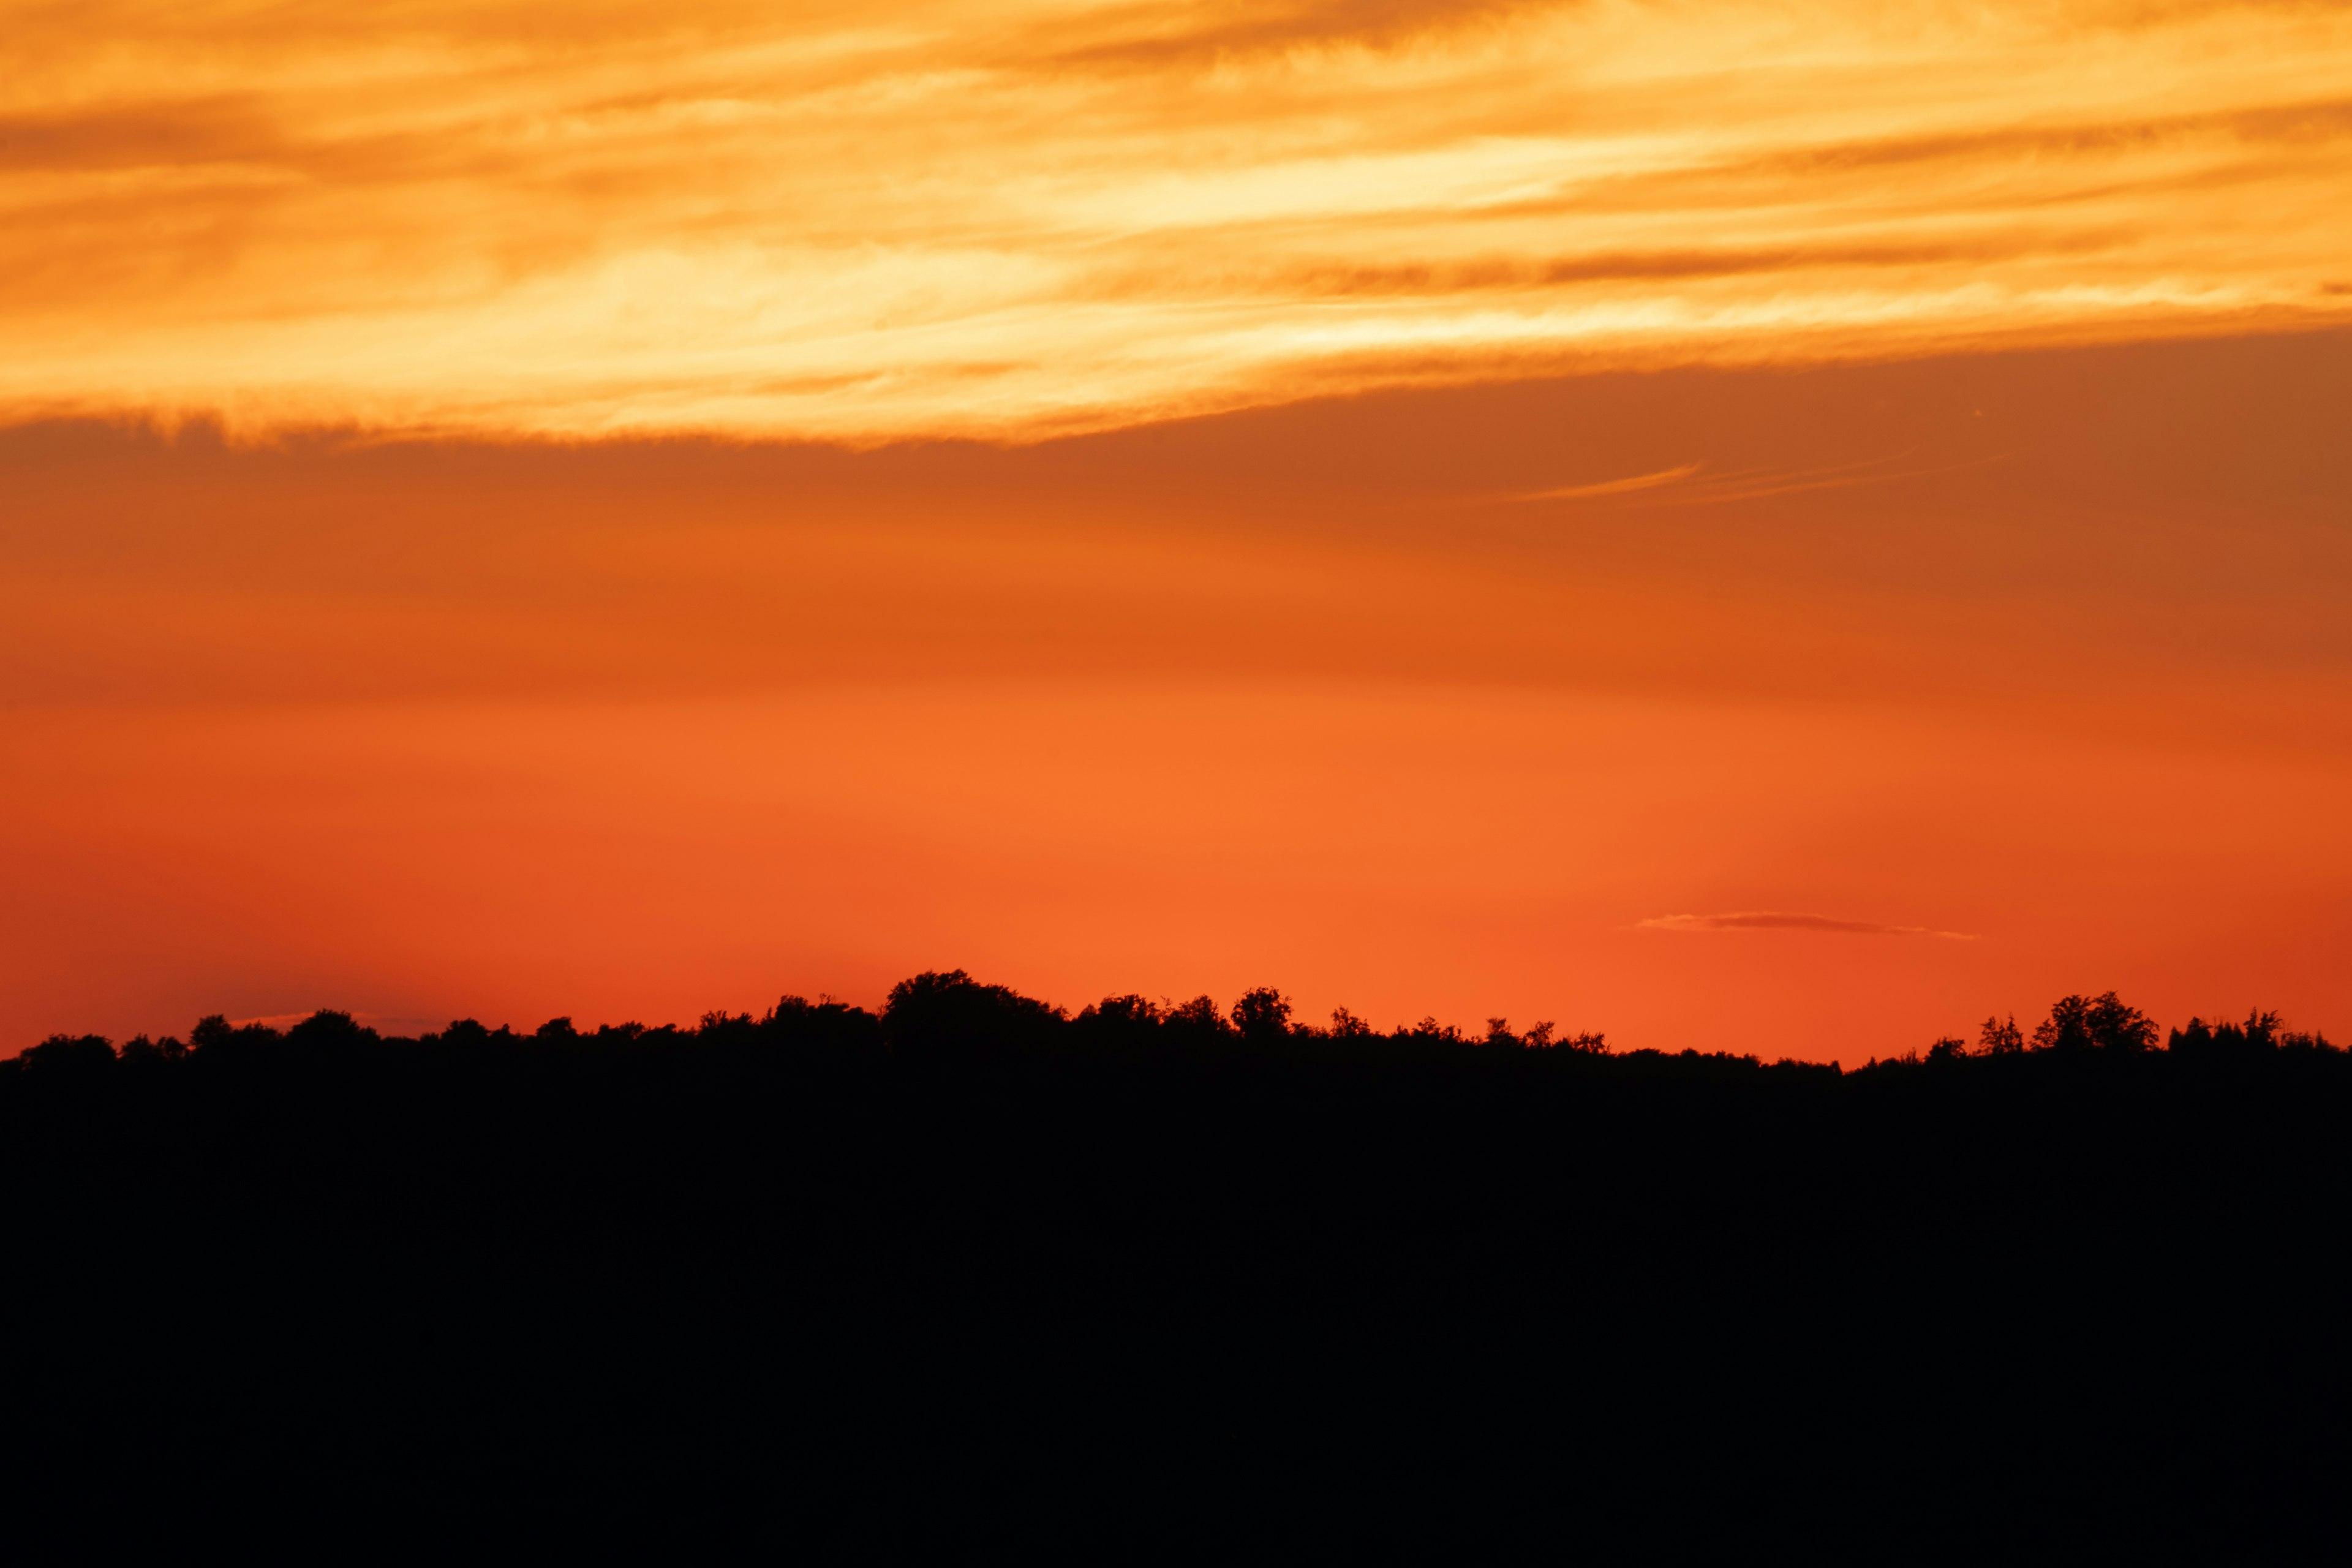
(978,1287)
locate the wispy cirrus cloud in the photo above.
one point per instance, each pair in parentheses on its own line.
(511,215)
(1781,920)
(1615,487)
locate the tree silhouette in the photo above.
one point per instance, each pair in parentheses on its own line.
(937,1015)
(2093,1023)
(1261,1017)
(1126,1024)
(69,1057)
(144,1052)
(2000,1036)
(327,1029)
(1197,1020)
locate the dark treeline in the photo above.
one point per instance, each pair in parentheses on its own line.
(975,1279)
(932,1011)
(952,1012)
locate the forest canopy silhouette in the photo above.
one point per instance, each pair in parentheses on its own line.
(946,1015)
(976,1276)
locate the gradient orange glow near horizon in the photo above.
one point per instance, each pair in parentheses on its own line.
(1784,529)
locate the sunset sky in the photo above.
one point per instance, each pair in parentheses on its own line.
(1774,528)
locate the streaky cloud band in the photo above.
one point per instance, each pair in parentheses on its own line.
(1778,920)
(1013,219)
(1616,487)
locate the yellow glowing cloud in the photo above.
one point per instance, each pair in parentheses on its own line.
(1008,218)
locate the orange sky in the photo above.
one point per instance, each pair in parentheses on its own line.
(1465,499)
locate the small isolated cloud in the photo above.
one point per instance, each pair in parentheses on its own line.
(1776,920)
